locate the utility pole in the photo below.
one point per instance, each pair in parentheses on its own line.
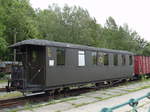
(15,33)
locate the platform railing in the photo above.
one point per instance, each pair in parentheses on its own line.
(132,102)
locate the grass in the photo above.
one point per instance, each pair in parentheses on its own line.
(10,95)
(3,81)
(137,89)
(29,106)
(26,107)
(99,98)
(58,111)
(82,104)
(67,99)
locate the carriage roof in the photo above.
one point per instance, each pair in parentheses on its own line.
(40,42)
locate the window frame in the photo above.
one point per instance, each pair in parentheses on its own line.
(49,52)
(104,55)
(100,58)
(115,61)
(94,62)
(64,54)
(81,55)
(130,60)
(123,58)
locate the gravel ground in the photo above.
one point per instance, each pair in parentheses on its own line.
(2,85)
(96,107)
(96,100)
(7,95)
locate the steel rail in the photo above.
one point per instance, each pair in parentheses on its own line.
(20,101)
(2,89)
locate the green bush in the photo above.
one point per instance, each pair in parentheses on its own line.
(144,77)
(2,75)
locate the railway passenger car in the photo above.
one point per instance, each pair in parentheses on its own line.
(47,65)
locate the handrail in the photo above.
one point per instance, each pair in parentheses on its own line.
(132,102)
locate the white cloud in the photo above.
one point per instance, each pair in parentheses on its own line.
(133,12)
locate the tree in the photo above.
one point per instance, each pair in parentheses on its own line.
(146,50)
(67,24)
(111,24)
(3,48)
(19,19)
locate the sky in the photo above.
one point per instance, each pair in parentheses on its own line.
(136,13)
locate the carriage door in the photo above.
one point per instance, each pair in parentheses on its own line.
(36,65)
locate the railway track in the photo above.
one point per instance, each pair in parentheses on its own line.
(12,102)
(20,101)
(2,89)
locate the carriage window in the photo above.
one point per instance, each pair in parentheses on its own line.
(130,60)
(115,59)
(94,58)
(106,59)
(49,52)
(100,58)
(34,56)
(60,56)
(81,58)
(123,60)
(103,58)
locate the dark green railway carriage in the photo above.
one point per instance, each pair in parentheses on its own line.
(46,65)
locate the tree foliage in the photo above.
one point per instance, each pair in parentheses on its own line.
(67,24)
(18,19)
